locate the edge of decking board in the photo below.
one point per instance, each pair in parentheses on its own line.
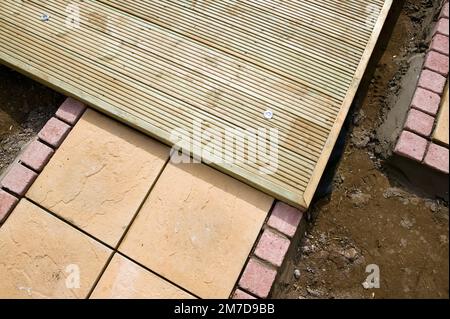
(345,108)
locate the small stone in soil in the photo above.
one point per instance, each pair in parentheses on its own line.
(314,292)
(351,254)
(432,206)
(406,223)
(359,199)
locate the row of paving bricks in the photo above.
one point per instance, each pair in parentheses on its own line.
(270,252)
(425,133)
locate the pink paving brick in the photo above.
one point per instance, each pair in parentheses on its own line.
(426,101)
(441,27)
(432,81)
(7,204)
(411,146)
(54,132)
(241,295)
(36,156)
(19,179)
(272,248)
(285,219)
(437,158)
(440,44)
(444,11)
(258,278)
(437,62)
(70,111)
(419,122)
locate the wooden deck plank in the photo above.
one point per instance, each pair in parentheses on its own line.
(245,45)
(161,65)
(441,131)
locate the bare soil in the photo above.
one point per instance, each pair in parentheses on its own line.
(370,218)
(25,107)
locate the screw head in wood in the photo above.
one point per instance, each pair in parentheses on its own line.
(45,17)
(268,115)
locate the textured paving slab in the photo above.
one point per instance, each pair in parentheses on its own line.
(100,176)
(442,130)
(124,279)
(37,250)
(197,229)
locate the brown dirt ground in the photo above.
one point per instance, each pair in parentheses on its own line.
(370,218)
(25,107)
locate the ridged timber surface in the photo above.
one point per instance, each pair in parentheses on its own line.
(161,66)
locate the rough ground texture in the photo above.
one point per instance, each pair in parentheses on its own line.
(25,107)
(370,218)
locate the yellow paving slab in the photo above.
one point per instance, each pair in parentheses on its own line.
(442,130)
(100,176)
(197,229)
(41,256)
(123,279)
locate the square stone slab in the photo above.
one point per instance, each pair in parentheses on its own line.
(100,176)
(441,132)
(197,229)
(41,256)
(124,279)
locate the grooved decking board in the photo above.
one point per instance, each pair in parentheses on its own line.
(441,131)
(161,65)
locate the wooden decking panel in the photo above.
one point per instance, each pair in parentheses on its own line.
(161,65)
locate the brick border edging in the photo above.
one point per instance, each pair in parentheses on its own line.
(34,157)
(269,253)
(415,141)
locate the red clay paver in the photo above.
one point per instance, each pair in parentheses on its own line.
(242,295)
(272,248)
(426,101)
(411,146)
(7,204)
(258,278)
(437,158)
(285,219)
(440,44)
(437,62)
(420,123)
(432,81)
(442,27)
(70,111)
(19,179)
(54,132)
(36,156)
